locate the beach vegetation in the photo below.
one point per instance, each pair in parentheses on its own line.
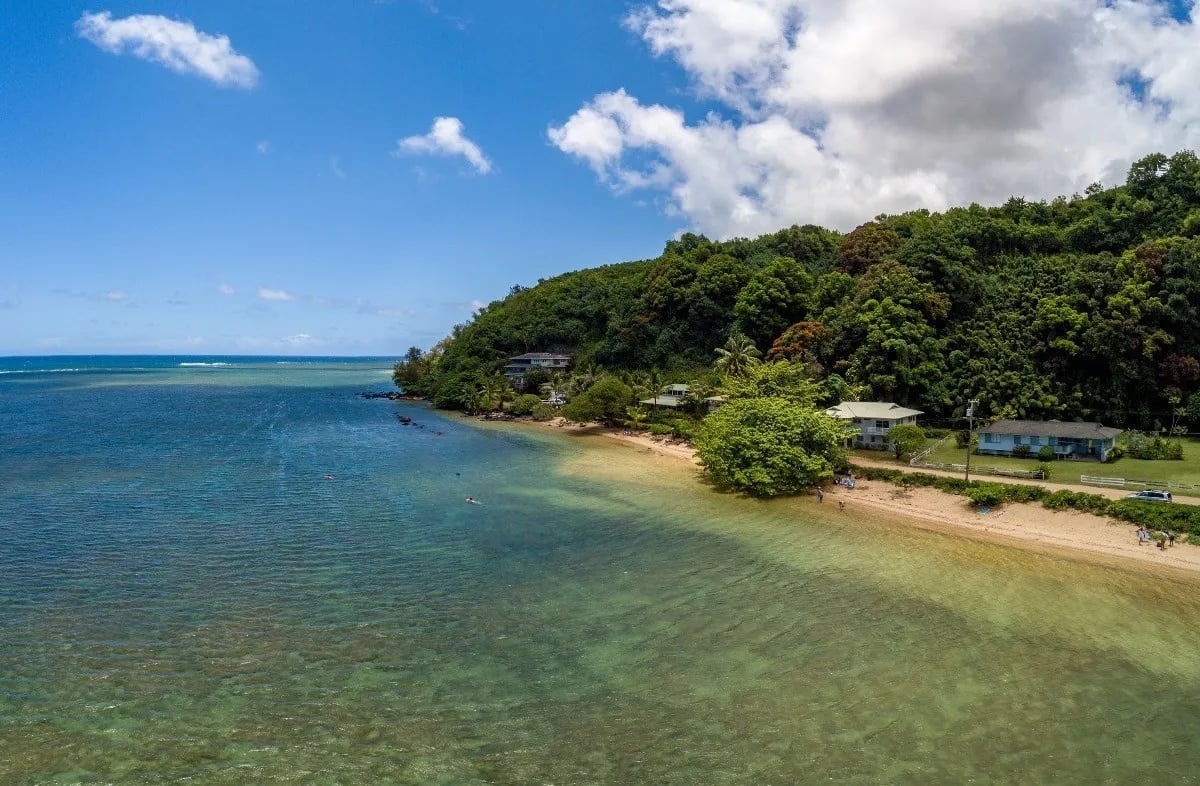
(606,400)
(1045,454)
(769,446)
(524,404)
(544,412)
(635,418)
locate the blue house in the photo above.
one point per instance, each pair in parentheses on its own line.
(1069,440)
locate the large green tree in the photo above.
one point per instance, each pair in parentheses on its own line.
(770,446)
(607,400)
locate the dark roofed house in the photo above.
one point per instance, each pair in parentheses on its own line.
(516,367)
(1069,439)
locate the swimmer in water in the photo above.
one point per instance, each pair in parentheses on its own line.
(329,477)
(473,501)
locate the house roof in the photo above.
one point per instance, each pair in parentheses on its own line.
(541,356)
(883,410)
(663,401)
(1051,428)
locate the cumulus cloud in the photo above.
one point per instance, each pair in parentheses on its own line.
(274,294)
(335,166)
(446,138)
(300,340)
(263,147)
(226,290)
(177,45)
(831,111)
(115,296)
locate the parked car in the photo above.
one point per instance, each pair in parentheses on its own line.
(1150,496)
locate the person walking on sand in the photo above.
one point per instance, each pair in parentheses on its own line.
(1170,538)
(1143,536)
(1162,541)
(842,505)
(820,494)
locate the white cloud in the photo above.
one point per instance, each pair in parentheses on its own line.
(831,111)
(335,166)
(226,290)
(263,146)
(115,296)
(446,138)
(300,340)
(274,294)
(177,45)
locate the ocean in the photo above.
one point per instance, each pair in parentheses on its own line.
(237,570)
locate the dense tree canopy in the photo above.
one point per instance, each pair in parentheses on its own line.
(1079,308)
(768,446)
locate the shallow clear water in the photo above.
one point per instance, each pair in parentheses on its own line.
(185,596)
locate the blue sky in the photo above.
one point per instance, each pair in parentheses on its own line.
(271,176)
(134,196)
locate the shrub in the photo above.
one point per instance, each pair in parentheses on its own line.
(544,412)
(937,433)
(660,429)
(961,438)
(683,428)
(1045,454)
(1021,451)
(524,404)
(990,494)
(1152,448)
(1046,468)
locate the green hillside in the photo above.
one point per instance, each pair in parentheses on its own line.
(1083,307)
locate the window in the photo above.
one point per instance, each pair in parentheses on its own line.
(991,438)
(1035,441)
(881,424)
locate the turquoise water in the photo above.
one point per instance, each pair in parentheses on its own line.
(185,596)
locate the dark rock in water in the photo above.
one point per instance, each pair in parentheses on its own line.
(404,419)
(390,395)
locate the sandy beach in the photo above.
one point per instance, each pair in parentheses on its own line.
(1022,525)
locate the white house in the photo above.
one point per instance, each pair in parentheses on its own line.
(672,396)
(1069,440)
(516,367)
(873,419)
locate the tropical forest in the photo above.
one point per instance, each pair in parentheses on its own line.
(1081,308)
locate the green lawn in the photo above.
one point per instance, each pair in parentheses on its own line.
(1185,471)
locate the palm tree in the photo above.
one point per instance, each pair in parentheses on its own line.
(582,379)
(637,416)
(737,356)
(473,400)
(496,390)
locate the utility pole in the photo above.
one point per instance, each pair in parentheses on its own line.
(970,433)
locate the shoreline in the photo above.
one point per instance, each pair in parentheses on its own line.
(1027,526)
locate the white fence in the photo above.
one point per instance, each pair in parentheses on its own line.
(1121,483)
(1031,474)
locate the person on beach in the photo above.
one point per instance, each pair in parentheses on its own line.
(1143,536)
(841,506)
(1162,541)
(820,494)
(1170,538)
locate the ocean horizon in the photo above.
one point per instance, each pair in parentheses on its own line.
(235,569)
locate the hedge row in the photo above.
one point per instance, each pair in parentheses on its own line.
(1152,515)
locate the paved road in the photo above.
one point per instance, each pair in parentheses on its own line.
(1050,484)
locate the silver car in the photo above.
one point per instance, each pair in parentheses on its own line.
(1150,496)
